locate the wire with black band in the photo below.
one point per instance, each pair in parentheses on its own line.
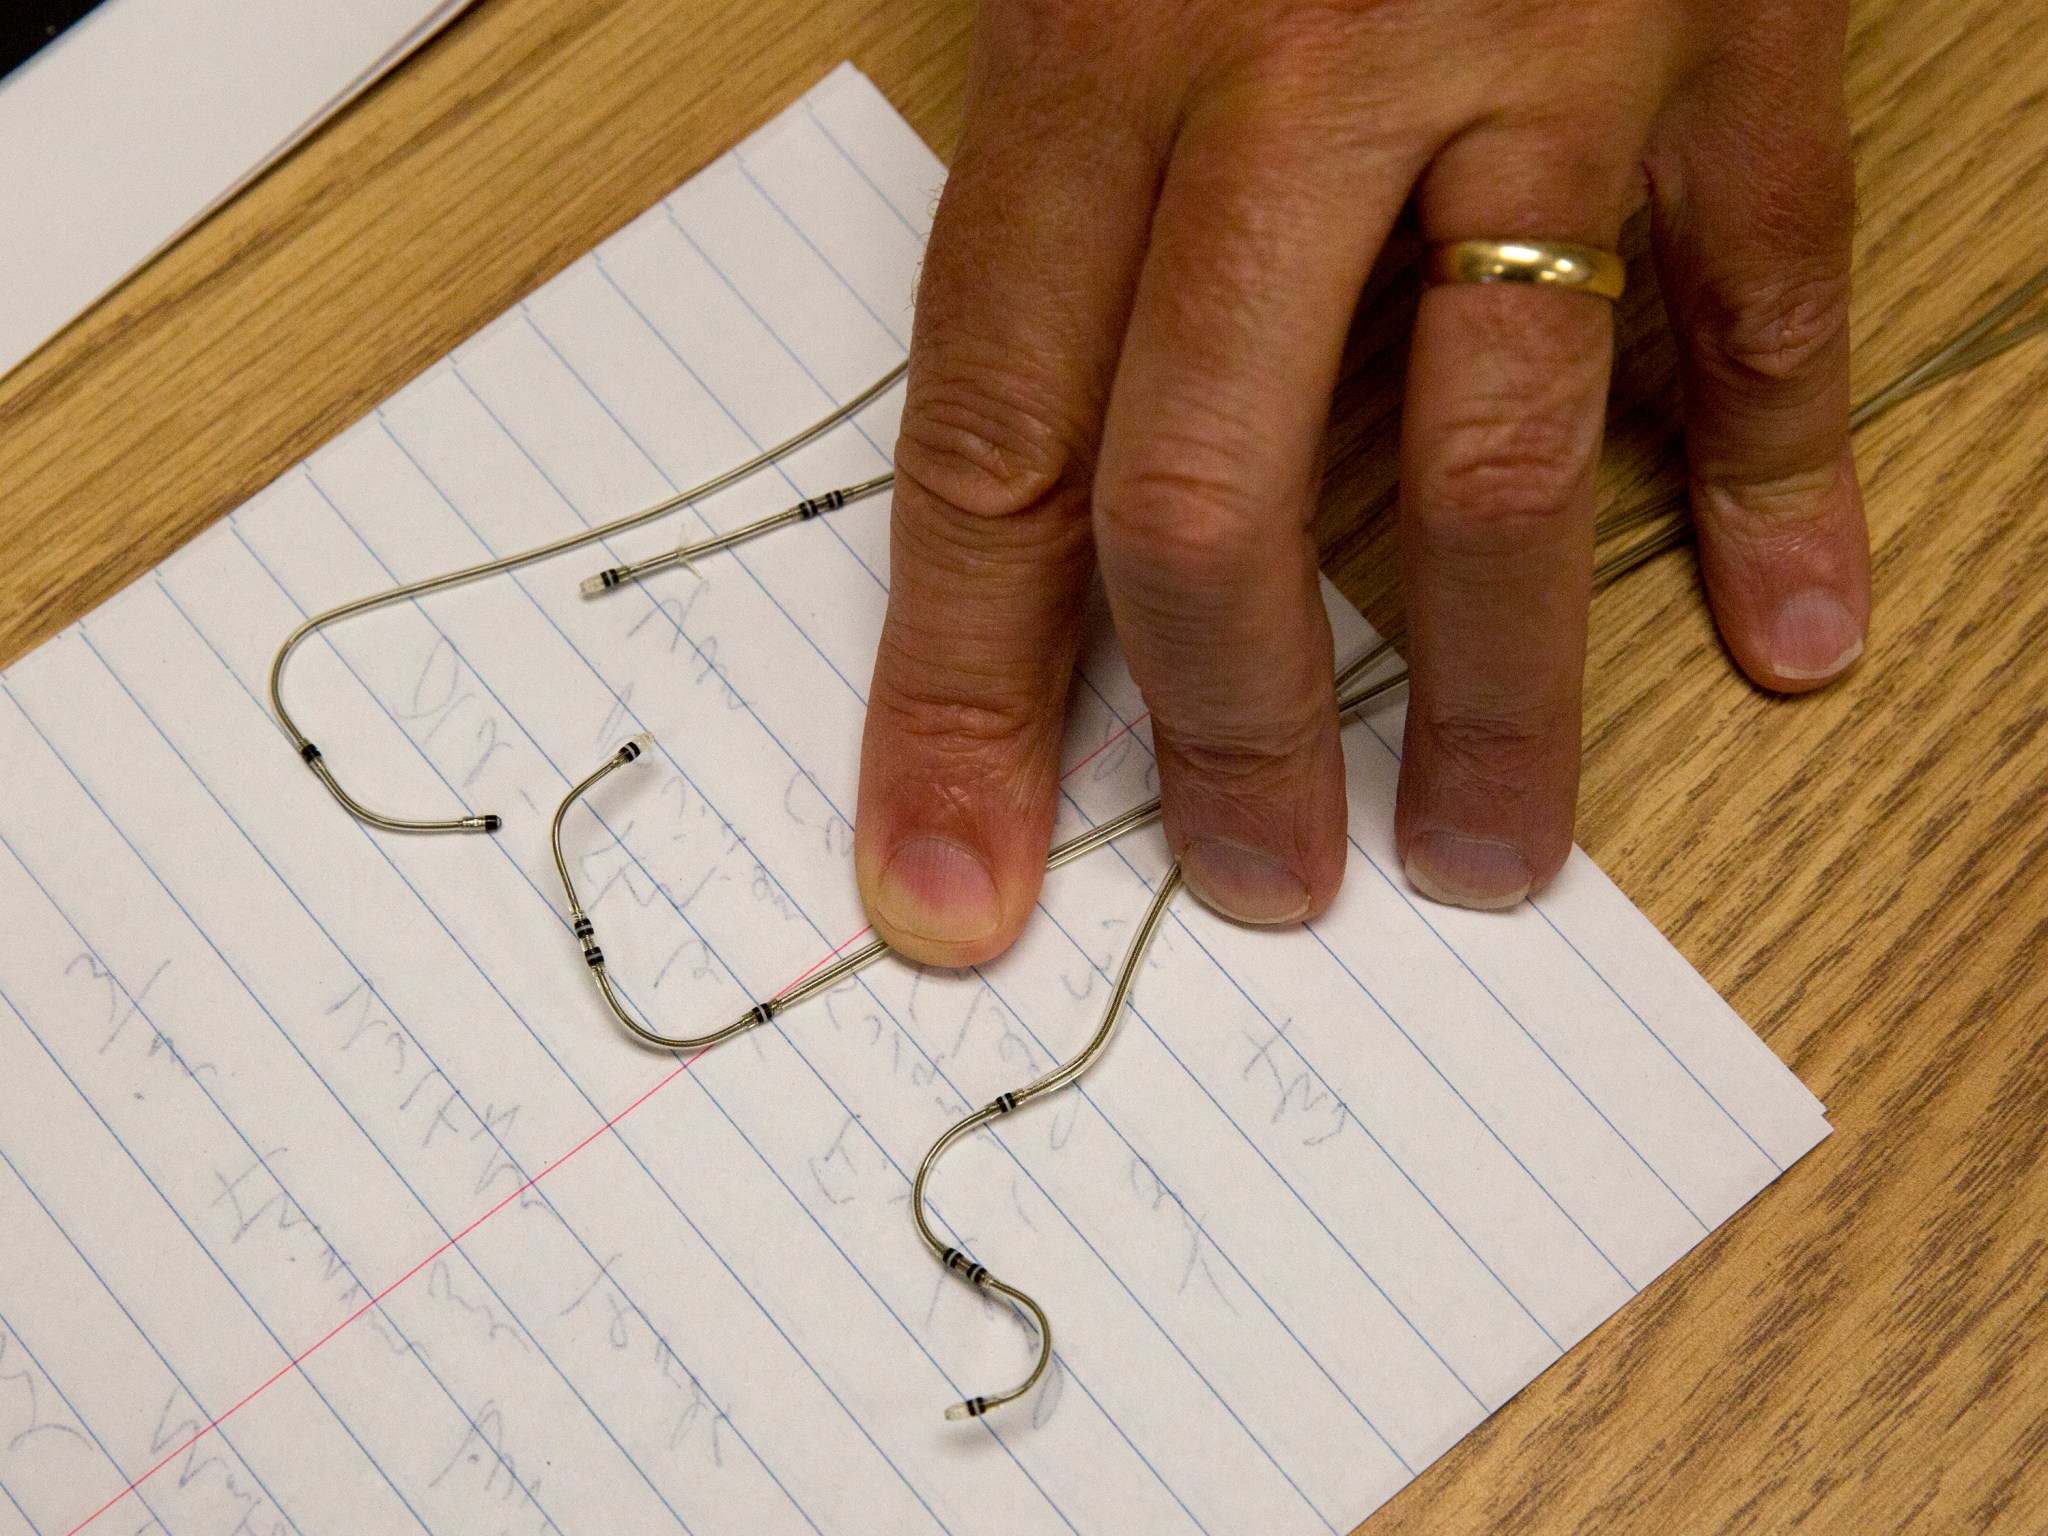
(490,822)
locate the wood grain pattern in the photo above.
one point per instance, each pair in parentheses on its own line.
(1863,873)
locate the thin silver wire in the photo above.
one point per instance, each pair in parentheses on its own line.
(1068,1071)
(586,931)
(622,575)
(471,822)
(823,980)
(1976,343)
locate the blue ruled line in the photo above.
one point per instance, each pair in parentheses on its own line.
(206,1414)
(198,1082)
(63,1397)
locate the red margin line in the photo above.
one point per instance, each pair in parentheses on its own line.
(299,1359)
(830,956)
(1121,733)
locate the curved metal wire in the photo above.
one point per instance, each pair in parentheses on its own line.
(1059,1077)
(959,1263)
(822,980)
(621,575)
(586,931)
(468,573)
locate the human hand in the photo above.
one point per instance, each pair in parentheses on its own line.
(1129,324)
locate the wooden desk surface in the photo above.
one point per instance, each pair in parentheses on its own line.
(1863,873)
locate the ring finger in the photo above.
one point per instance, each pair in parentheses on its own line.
(1507,388)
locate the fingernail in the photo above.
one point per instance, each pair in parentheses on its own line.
(1464,871)
(1243,883)
(1814,637)
(938,890)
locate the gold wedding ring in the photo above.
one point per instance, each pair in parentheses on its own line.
(1544,263)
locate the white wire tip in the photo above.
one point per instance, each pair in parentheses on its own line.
(598,585)
(637,747)
(961,1411)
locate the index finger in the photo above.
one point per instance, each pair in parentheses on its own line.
(1021,308)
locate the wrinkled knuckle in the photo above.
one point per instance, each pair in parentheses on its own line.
(984,439)
(1505,466)
(1500,752)
(1191,528)
(1779,332)
(1253,760)
(967,727)
(1227,761)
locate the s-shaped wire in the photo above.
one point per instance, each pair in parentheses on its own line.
(973,1273)
(1068,1071)
(319,621)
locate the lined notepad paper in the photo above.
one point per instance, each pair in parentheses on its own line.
(332,1200)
